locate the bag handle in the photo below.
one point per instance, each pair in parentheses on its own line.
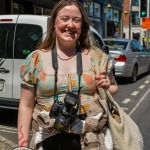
(104,93)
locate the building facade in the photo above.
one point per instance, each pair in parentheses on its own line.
(104,15)
(132,23)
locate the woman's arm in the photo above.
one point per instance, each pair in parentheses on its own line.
(107,82)
(26,106)
(113,89)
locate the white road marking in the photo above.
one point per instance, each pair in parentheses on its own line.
(8,129)
(135,93)
(124,108)
(142,86)
(126,101)
(131,112)
(146,82)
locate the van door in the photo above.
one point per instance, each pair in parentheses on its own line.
(6,60)
(19,36)
(26,40)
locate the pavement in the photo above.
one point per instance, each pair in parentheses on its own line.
(6,144)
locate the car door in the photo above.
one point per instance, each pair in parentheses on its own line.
(7,28)
(137,55)
(145,58)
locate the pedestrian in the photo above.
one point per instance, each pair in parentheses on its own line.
(116,35)
(144,41)
(54,89)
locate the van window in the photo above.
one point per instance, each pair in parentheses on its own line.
(6,40)
(98,40)
(27,38)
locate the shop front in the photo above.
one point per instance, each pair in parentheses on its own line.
(94,9)
(113,17)
(104,16)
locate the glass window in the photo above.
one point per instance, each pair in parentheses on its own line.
(90,9)
(109,14)
(140,46)
(134,46)
(135,3)
(97,10)
(116,45)
(38,10)
(27,38)
(3,41)
(6,40)
(135,18)
(98,41)
(96,23)
(116,15)
(18,8)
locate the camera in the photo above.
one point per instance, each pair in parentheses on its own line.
(65,112)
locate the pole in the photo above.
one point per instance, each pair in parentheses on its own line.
(130,18)
(129,24)
(148,31)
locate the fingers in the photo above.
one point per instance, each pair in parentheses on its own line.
(102,80)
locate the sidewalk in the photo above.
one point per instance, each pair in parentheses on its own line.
(5,144)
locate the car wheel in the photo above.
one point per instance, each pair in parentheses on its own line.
(133,78)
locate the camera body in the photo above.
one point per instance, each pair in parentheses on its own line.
(64,112)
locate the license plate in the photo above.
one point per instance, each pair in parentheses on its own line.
(1,86)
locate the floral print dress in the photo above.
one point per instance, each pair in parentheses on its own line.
(32,74)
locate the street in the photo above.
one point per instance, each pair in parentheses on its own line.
(134,98)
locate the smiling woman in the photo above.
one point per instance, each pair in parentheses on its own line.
(58,82)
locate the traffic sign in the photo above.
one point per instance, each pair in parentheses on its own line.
(145,23)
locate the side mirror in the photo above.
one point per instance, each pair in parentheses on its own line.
(105,49)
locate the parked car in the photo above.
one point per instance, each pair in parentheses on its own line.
(19,36)
(130,56)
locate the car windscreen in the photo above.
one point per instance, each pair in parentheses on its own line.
(116,45)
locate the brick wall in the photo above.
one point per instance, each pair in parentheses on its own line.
(126,9)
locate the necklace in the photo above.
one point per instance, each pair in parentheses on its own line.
(65,59)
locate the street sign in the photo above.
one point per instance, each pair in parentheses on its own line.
(145,23)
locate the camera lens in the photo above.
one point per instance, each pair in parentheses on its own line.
(59,126)
(61,123)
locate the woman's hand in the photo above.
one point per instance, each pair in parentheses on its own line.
(102,80)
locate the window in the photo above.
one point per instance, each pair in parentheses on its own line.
(116,45)
(135,3)
(135,18)
(97,10)
(98,41)
(140,46)
(90,9)
(109,14)
(95,39)
(27,38)
(116,15)
(134,46)
(6,40)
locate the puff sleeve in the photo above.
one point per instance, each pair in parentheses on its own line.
(30,68)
